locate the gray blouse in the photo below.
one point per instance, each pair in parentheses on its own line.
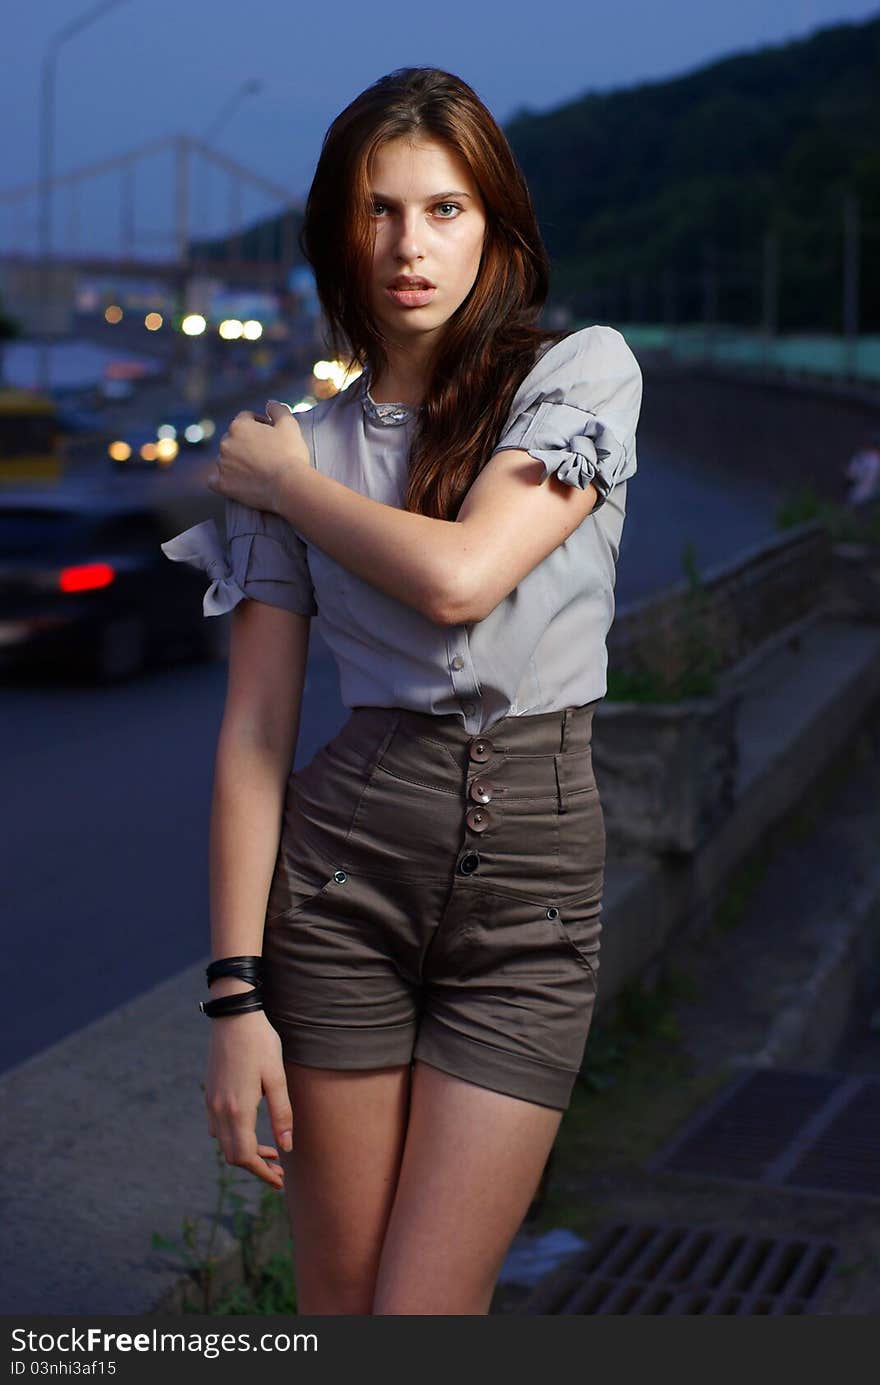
(543,647)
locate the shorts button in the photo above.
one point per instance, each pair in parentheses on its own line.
(458,662)
(478,819)
(481,790)
(481,750)
(468,864)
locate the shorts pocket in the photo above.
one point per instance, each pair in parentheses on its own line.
(324,804)
(300,894)
(578,922)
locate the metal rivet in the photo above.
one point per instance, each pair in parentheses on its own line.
(340,877)
(553,913)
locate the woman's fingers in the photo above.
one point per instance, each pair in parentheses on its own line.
(278,1102)
(239,1144)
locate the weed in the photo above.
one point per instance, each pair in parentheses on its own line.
(268,1286)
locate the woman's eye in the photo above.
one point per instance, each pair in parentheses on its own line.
(376,206)
(453,205)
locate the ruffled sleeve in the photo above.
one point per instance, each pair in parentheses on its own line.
(578,409)
(263,559)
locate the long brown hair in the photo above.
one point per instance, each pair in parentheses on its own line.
(491,342)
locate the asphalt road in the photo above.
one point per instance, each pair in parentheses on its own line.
(106,792)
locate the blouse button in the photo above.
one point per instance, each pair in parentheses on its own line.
(458,662)
(469,707)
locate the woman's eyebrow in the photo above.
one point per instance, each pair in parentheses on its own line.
(435,197)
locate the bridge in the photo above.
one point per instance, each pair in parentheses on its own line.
(259,255)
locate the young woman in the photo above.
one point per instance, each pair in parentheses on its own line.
(418,908)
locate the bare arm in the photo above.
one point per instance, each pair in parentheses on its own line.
(255,750)
(453,572)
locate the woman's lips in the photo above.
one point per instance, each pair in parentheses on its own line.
(411,298)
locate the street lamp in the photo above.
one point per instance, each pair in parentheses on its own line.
(248,88)
(47,139)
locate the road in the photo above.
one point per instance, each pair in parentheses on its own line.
(103,849)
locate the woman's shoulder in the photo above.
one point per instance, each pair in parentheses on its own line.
(589,353)
(330,413)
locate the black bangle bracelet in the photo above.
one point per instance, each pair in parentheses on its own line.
(245,968)
(239,1003)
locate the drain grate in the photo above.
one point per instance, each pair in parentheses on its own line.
(785,1128)
(673,1270)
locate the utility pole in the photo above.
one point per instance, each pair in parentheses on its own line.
(850,313)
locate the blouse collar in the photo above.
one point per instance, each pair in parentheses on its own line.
(387,415)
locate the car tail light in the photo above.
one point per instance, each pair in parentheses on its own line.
(85,577)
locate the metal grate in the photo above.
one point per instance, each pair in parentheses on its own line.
(674,1270)
(785,1128)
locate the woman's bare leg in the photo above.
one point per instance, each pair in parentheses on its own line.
(340,1178)
(472,1161)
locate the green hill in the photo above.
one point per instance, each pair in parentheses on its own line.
(640,190)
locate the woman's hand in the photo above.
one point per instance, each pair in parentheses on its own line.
(244,1063)
(256,459)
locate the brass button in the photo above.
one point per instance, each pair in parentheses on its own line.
(482,790)
(481,750)
(478,819)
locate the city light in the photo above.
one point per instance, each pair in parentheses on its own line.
(166,430)
(119,451)
(193,325)
(207,426)
(113,313)
(194,433)
(253,330)
(150,451)
(336,373)
(231,329)
(303,406)
(153,321)
(166,450)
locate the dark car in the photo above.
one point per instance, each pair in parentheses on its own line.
(84,584)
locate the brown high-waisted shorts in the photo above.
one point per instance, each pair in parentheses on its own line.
(437,896)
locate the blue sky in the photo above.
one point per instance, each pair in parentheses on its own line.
(155,67)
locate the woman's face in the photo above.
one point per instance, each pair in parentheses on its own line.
(430,224)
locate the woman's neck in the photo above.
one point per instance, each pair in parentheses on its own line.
(401,380)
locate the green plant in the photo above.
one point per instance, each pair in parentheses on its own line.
(643,1022)
(693,667)
(196,1245)
(844,523)
(267,1286)
(798,507)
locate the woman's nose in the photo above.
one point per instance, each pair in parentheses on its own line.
(408,242)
